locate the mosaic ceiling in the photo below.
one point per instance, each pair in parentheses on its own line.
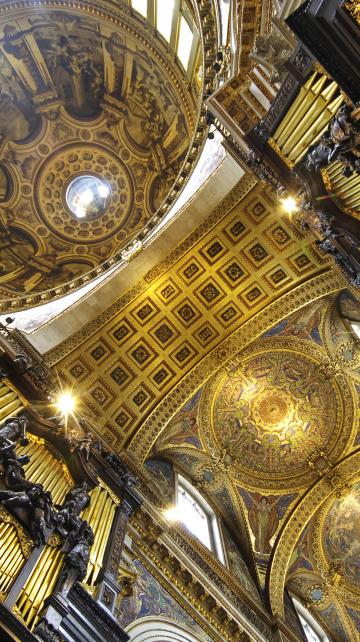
(82,96)
(213,366)
(264,430)
(233,360)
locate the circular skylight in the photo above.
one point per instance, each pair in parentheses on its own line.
(88,197)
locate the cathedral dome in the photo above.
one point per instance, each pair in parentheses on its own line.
(97,117)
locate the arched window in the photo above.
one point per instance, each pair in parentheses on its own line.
(313,631)
(194,512)
(174,21)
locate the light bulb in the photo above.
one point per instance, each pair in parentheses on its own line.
(172,514)
(65,403)
(289,204)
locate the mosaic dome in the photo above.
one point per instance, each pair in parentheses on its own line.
(96,121)
(275,416)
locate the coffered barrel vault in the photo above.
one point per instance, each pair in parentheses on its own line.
(223,277)
(179,437)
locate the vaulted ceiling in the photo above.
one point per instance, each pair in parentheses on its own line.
(233,359)
(84,94)
(263,431)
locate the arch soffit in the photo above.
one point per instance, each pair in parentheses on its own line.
(319,286)
(338,479)
(159,629)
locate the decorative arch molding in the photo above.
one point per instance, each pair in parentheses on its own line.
(159,629)
(321,285)
(335,482)
(111,18)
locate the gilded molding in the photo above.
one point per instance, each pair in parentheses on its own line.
(214,610)
(243,187)
(347,592)
(120,14)
(315,288)
(353,8)
(343,473)
(163,578)
(26,543)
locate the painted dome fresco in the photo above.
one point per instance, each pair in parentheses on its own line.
(97,116)
(276,413)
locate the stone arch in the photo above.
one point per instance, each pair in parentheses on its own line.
(334,481)
(160,629)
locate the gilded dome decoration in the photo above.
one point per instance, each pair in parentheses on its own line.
(84,95)
(275,413)
(340,537)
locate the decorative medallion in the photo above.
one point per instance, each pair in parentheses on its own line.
(57,180)
(277,415)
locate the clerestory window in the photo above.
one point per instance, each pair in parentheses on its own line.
(194,512)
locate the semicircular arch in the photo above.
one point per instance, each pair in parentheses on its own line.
(335,481)
(317,287)
(160,629)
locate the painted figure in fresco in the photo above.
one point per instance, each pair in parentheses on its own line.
(264,514)
(264,521)
(184,430)
(238,566)
(16,249)
(162,478)
(149,598)
(304,324)
(349,306)
(342,534)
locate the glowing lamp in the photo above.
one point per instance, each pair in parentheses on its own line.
(289,204)
(103,190)
(65,403)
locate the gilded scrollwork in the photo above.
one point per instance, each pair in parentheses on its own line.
(145,437)
(313,500)
(25,541)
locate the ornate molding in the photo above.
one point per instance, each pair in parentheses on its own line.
(313,289)
(220,613)
(97,615)
(26,543)
(120,14)
(343,473)
(243,187)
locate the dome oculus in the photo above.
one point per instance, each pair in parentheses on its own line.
(88,197)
